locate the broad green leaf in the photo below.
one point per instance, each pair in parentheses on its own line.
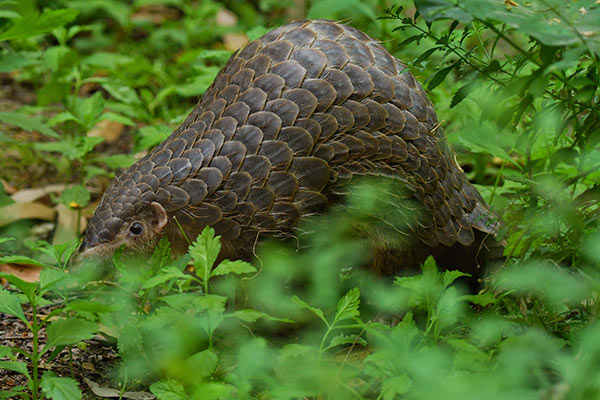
(22,260)
(451,276)
(296,350)
(204,252)
(33,25)
(69,331)
(161,256)
(10,304)
(203,363)
(11,61)
(27,288)
(393,387)
(116,161)
(75,197)
(169,390)
(346,339)
(314,310)
(347,307)
(165,275)
(238,267)
(111,116)
(16,366)
(88,110)
(27,122)
(57,388)
(51,279)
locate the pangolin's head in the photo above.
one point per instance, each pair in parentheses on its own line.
(127,215)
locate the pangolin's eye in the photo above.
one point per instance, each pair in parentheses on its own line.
(136,228)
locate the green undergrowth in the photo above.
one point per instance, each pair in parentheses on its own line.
(515,85)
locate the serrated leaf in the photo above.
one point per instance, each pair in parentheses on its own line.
(16,366)
(238,267)
(57,388)
(347,307)
(69,331)
(10,304)
(203,363)
(33,25)
(314,310)
(346,339)
(161,255)
(296,350)
(398,385)
(27,288)
(27,122)
(450,276)
(204,252)
(165,275)
(169,390)
(50,279)
(22,260)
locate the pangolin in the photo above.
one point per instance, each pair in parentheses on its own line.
(289,118)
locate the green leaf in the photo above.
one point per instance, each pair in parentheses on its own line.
(169,390)
(22,260)
(69,331)
(204,252)
(75,197)
(439,76)
(33,25)
(166,275)
(253,316)
(11,61)
(27,122)
(296,350)
(203,363)
(51,278)
(347,307)
(461,94)
(88,110)
(451,276)
(10,304)
(27,288)
(161,256)
(346,339)
(111,116)
(57,388)
(238,267)
(16,366)
(396,386)
(116,161)
(314,310)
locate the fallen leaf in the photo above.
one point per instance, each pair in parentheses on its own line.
(16,211)
(30,195)
(109,130)
(8,189)
(67,228)
(226,18)
(234,41)
(28,273)
(109,392)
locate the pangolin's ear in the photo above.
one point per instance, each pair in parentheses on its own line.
(160,217)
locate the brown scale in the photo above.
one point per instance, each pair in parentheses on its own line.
(289,119)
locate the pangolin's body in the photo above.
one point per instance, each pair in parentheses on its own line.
(289,119)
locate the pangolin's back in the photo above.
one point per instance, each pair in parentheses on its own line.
(289,119)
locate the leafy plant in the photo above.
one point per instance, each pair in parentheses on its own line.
(63,328)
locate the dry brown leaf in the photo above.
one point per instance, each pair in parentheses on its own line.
(31,195)
(29,273)
(8,188)
(234,41)
(66,225)
(157,14)
(16,211)
(110,392)
(110,131)
(226,18)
